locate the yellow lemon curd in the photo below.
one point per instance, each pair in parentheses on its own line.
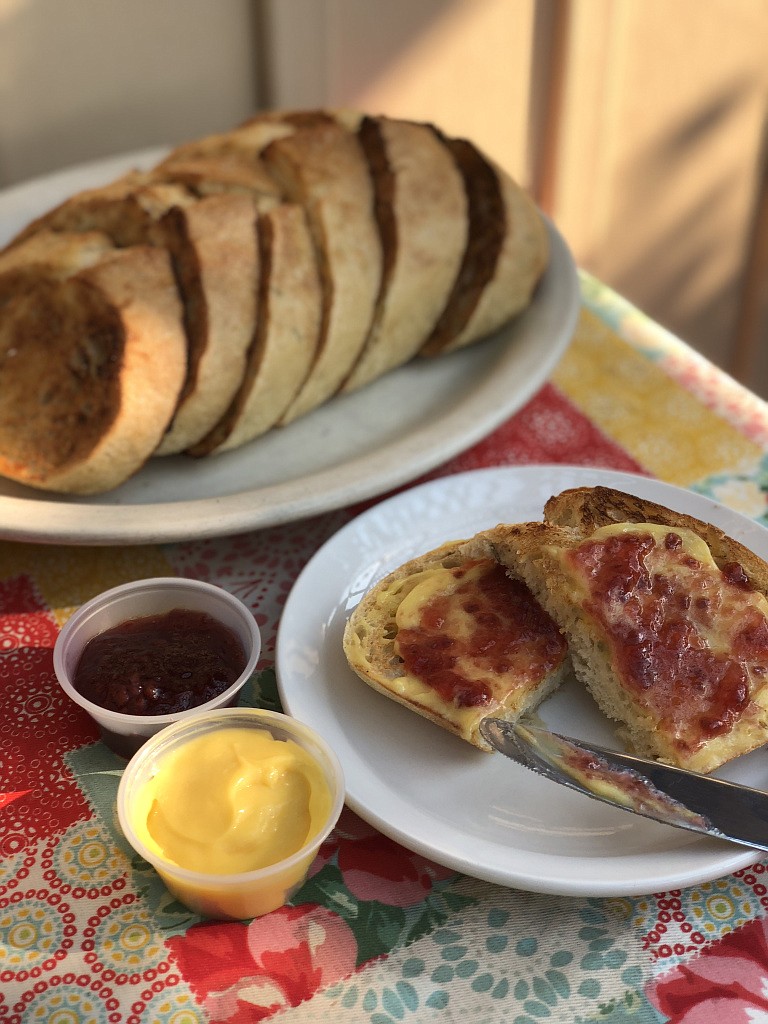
(232,801)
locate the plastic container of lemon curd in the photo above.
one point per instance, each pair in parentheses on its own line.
(230,808)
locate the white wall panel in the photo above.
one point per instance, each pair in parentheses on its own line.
(80,79)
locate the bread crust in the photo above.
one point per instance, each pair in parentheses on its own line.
(587,509)
(55,253)
(229,161)
(506,252)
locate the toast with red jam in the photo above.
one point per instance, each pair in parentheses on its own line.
(455,639)
(666,619)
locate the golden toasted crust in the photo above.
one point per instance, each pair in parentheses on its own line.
(586,509)
(227,161)
(369,644)
(534,551)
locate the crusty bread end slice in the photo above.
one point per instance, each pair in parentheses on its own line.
(90,370)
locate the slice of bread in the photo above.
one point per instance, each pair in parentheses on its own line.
(324,169)
(213,246)
(666,619)
(287,332)
(421,210)
(90,370)
(125,209)
(456,640)
(506,253)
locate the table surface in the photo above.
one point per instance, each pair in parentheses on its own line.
(378,934)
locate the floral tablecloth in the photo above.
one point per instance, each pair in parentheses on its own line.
(377,934)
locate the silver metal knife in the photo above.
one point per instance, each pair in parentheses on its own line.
(684,799)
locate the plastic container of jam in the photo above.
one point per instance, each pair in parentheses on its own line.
(146,654)
(211,792)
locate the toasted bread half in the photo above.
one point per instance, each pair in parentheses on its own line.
(665,615)
(455,639)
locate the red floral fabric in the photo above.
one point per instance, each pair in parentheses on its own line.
(245,972)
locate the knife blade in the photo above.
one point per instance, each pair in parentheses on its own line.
(674,796)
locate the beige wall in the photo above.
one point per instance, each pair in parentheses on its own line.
(80,79)
(463,64)
(658,156)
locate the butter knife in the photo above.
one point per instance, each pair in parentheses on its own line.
(683,799)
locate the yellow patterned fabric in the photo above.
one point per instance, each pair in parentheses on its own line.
(652,416)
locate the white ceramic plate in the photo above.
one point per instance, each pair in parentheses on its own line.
(354,447)
(478,813)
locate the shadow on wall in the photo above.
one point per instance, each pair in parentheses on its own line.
(693,268)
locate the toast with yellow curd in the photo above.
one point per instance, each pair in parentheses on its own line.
(456,639)
(666,619)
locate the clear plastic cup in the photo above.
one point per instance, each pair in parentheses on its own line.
(125,733)
(228,896)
